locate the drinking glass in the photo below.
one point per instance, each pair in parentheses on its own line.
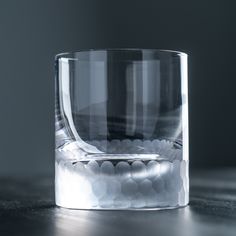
(121,129)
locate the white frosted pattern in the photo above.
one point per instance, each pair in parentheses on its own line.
(112,182)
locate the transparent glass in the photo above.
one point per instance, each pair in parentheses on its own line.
(121,129)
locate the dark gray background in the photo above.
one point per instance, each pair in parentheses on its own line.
(32,32)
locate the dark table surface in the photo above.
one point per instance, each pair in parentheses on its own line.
(27,208)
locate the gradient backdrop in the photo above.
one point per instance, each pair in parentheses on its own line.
(33,31)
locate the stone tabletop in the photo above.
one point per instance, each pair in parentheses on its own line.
(27,208)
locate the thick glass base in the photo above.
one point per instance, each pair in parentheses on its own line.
(115,184)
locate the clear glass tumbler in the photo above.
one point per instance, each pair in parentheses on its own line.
(121,129)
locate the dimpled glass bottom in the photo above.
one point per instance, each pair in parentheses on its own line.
(121,181)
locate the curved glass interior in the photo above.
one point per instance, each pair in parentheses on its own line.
(121,129)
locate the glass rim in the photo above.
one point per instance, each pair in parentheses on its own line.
(166,51)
